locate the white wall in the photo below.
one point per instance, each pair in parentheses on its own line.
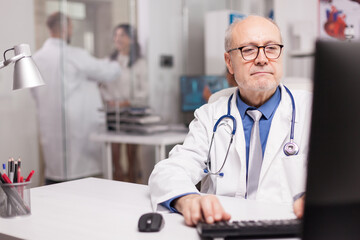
(290,13)
(165,39)
(177,29)
(18,129)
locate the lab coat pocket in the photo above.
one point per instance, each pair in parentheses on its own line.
(295,173)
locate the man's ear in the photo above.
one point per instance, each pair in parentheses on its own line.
(228,63)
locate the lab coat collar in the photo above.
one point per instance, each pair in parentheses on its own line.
(279,132)
(55,41)
(287,101)
(237,151)
(240,147)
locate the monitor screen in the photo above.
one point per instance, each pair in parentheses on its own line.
(332,207)
(195,90)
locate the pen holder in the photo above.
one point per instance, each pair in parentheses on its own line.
(14,199)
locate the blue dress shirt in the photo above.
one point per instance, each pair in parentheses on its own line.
(267,109)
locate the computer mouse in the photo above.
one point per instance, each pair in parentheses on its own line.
(150,222)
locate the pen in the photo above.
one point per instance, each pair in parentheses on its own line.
(6,178)
(11,174)
(30,175)
(19,170)
(15,179)
(9,164)
(18,174)
(2,179)
(4,167)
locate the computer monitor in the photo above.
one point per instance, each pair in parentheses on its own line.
(332,206)
(193,90)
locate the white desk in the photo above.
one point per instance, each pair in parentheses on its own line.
(94,208)
(159,140)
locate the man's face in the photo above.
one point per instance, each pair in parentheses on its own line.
(260,74)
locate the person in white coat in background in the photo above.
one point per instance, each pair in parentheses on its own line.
(68,105)
(254,58)
(131,89)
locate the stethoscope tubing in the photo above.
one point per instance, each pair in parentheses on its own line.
(207,169)
(292,144)
(228,115)
(293,114)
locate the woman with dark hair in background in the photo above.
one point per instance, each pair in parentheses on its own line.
(130,89)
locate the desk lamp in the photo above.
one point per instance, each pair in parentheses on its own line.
(26,74)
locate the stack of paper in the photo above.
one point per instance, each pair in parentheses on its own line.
(136,120)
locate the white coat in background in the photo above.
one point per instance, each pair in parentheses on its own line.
(282,177)
(132,85)
(68,108)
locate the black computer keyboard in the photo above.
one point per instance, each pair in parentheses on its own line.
(250,229)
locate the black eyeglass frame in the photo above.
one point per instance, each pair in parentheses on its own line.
(258,47)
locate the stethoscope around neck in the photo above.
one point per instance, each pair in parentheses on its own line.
(290,148)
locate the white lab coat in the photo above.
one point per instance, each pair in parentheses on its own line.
(282,177)
(68,108)
(132,85)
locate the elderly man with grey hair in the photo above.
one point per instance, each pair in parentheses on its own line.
(251,144)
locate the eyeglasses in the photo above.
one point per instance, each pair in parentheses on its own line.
(250,52)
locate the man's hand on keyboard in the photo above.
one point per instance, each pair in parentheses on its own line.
(299,207)
(197,208)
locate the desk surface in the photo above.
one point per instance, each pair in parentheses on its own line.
(94,208)
(162,138)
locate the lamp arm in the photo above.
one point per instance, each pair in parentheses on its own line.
(11,60)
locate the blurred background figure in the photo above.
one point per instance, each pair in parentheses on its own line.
(68,105)
(129,90)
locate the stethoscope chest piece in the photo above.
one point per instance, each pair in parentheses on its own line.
(291,148)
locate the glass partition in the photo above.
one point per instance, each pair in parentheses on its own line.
(90,58)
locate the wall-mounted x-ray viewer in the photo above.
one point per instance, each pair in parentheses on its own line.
(26,74)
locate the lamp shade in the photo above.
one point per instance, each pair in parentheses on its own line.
(26,74)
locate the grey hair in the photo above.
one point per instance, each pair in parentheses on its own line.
(228,34)
(229,31)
